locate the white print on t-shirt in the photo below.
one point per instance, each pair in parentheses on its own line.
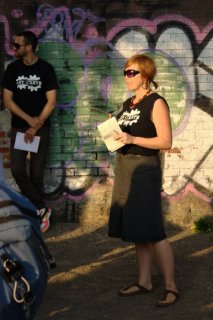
(32,83)
(128,118)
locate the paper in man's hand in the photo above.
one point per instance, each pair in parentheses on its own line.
(108,130)
(22,145)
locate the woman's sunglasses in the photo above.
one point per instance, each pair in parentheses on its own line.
(130,73)
(18,46)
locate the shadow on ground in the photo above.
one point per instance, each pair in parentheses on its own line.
(91,268)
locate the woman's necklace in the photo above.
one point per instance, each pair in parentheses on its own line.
(132,105)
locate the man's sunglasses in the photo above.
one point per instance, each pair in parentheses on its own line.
(130,73)
(18,46)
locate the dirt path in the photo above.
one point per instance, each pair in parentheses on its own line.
(91,268)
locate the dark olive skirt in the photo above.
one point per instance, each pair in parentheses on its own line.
(136,212)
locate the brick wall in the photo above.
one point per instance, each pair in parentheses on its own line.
(88,42)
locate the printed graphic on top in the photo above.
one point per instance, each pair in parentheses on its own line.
(32,83)
(128,118)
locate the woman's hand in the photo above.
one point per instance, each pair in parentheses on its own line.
(125,138)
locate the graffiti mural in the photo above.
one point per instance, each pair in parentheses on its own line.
(88,58)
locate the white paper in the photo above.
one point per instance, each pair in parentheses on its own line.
(22,145)
(108,130)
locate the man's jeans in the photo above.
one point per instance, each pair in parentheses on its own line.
(30,181)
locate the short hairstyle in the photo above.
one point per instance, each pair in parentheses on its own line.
(146,66)
(29,38)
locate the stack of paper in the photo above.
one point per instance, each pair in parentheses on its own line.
(108,130)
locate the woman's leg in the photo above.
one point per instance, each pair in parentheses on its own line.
(165,261)
(144,254)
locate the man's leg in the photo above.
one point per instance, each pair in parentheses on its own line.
(19,172)
(38,161)
(37,165)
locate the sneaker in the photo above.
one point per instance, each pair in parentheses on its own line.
(45,214)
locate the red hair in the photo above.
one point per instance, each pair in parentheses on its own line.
(146,66)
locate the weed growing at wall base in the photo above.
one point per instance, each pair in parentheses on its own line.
(203,225)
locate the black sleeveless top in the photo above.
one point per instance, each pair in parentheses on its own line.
(137,122)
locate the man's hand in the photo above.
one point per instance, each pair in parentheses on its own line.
(29,135)
(35,122)
(9,103)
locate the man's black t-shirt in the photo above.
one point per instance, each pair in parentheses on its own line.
(29,85)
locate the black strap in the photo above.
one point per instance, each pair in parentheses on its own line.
(10,218)
(29,212)
(6,203)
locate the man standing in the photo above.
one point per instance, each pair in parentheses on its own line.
(29,92)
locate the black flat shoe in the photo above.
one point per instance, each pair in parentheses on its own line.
(139,290)
(167,304)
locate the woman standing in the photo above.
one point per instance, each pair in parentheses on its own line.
(136,213)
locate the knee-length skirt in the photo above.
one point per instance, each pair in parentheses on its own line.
(136,211)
